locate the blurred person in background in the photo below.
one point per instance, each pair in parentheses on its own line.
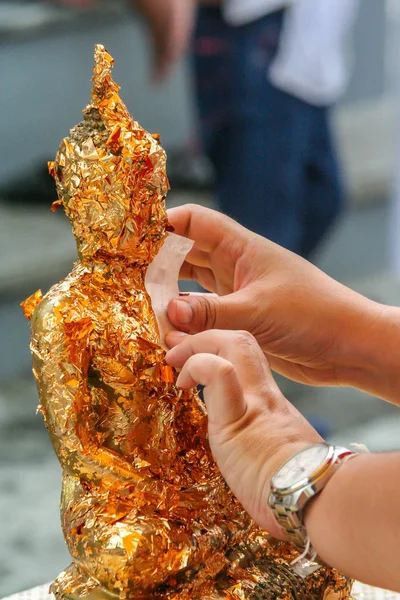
(267,73)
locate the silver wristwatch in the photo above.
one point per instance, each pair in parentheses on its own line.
(297,481)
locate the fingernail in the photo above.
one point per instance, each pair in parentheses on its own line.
(176,334)
(184,312)
(172,337)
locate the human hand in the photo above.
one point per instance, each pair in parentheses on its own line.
(170,23)
(252,428)
(311,328)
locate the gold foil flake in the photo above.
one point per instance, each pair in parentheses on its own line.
(29,305)
(145,512)
(56,205)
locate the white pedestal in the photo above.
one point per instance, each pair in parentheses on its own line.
(360,592)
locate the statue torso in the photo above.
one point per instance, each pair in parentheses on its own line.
(138,415)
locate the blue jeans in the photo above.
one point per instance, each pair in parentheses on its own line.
(277,172)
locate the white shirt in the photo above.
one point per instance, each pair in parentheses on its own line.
(314,58)
(240,12)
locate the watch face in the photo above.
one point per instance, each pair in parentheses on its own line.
(300,467)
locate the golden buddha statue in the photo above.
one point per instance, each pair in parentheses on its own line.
(144,509)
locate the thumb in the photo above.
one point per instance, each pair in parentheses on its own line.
(193,314)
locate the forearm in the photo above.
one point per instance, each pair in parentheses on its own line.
(371,351)
(157,12)
(354,523)
(153,10)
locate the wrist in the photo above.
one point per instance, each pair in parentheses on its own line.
(298,482)
(324,518)
(274,464)
(370,355)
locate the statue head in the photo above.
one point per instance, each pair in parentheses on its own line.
(111,177)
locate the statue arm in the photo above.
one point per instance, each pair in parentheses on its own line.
(61,357)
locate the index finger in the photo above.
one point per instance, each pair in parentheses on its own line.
(237,347)
(205,226)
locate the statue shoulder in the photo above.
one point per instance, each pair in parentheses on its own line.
(52,311)
(44,317)
(46,332)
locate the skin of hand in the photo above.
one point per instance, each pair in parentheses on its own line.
(354,522)
(170,23)
(311,328)
(252,428)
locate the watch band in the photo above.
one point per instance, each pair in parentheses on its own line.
(291,523)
